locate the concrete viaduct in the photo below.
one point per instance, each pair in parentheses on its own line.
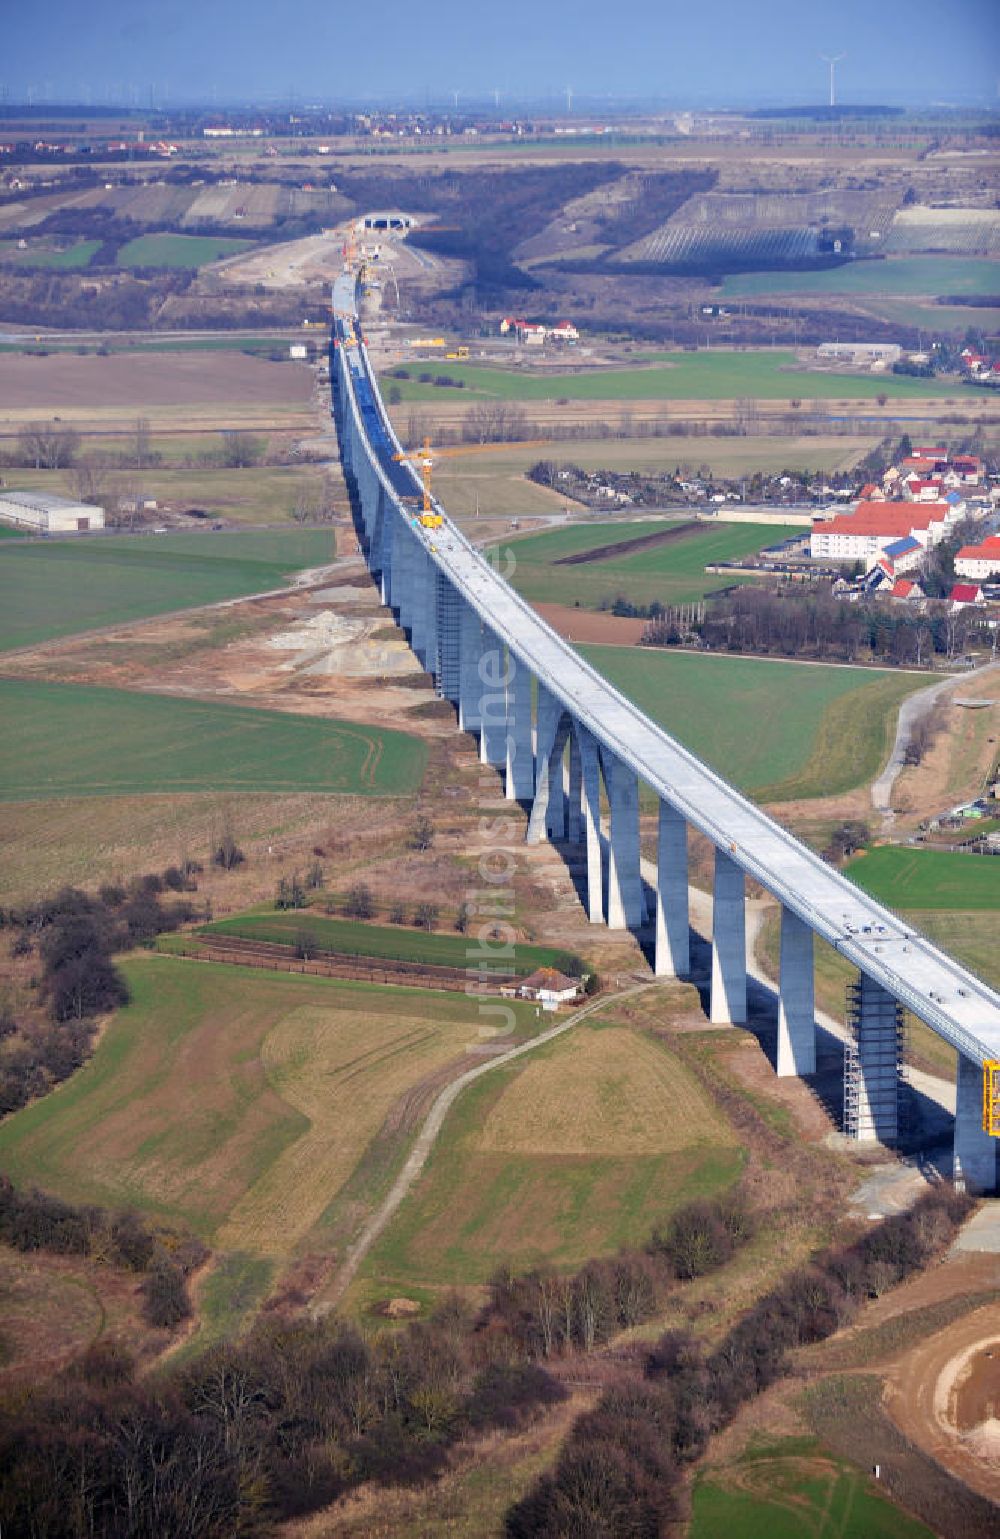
(557,731)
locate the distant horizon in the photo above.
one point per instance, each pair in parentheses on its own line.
(585,106)
(231,53)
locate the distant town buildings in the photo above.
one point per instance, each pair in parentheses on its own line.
(534,334)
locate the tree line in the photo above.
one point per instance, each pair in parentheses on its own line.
(283,1421)
(621,1472)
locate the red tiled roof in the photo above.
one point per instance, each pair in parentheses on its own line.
(965,592)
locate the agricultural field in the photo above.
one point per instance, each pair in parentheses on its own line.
(62,587)
(240,1103)
(899,276)
(75,256)
(580,1148)
(386,942)
(167,250)
(928,879)
(778,730)
(125,743)
(672,572)
(793,1489)
(715,374)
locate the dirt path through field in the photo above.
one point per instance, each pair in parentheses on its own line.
(427,1137)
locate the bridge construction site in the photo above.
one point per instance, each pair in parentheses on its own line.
(560,735)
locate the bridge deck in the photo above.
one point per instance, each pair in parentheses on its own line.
(951,1000)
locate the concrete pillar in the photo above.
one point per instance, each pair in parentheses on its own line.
(673,936)
(556,822)
(574,809)
(975,1159)
(871,1090)
(449,642)
(421,600)
(402,576)
(626,906)
(549,714)
(390,545)
(470,717)
(729,945)
(590,786)
(520,781)
(796,999)
(493,706)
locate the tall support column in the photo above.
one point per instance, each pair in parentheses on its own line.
(493,676)
(872,1063)
(449,645)
(548,718)
(402,576)
(390,548)
(470,717)
(626,906)
(673,935)
(376,557)
(418,613)
(796,998)
(590,777)
(520,784)
(729,944)
(556,822)
(975,1159)
(431,618)
(574,811)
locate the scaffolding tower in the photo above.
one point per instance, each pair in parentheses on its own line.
(873,1061)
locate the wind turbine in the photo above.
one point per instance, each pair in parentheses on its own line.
(569,100)
(833,62)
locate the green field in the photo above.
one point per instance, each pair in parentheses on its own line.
(77,255)
(391,942)
(793,1489)
(178,250)
(928,879)
(65,586)
(241,1102)
(895,276)
(69,740)
(716,374)
(673,573)
(778,730)
(577,1150)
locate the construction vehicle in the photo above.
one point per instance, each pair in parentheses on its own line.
(991,1097)
(428,517)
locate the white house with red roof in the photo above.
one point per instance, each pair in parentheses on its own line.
(979,561)
(963,594)
(873,526)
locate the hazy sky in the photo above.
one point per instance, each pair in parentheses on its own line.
(719,51)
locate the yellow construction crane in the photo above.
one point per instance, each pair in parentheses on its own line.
(991,1097)
(429,518)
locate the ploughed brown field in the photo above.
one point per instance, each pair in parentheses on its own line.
(584,625)
(138,382)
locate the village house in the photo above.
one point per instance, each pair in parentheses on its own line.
(550,988)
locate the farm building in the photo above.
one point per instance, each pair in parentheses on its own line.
(859,352)
(550,988)
(49,514)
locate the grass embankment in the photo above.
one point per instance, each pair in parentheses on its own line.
(70,740)
(793,1489)
(56,589)
(716,374)
(672,573)
(166,250)
(778,730)
(243,1104)
(388,942)
(575,1151)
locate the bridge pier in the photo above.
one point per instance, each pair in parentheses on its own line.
(470,696)
(590,789)
(975,1157)
(673,936)
(626,904)
(574,806)
(449,661)
(420,610)
(796,998)
(872,1063)
(493,702)
(728,1003)
(547,719)
(520,779)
